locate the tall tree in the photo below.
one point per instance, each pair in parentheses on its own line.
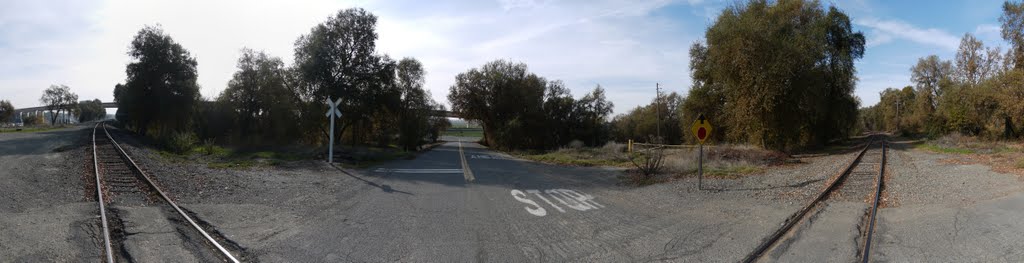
(161,89)
(91,110)
(336,60)
(931,76)
(507,100)
(258,93)
(797,57)
(416,104)
(593,111)
(57,99)
(1012,31)
(974,63)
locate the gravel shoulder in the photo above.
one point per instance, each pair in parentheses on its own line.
(44,213)
(941,210)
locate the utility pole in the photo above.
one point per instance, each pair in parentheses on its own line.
(657,107)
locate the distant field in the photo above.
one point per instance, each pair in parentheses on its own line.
(464,132)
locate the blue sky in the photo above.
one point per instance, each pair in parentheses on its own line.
(626,46)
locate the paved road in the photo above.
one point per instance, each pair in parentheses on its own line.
(424,210)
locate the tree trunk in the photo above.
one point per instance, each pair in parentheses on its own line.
(53,118)
(1008,128)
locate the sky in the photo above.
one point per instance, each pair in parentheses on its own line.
(625,46)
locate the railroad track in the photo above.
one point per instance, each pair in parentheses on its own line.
(119,180)
(862,177)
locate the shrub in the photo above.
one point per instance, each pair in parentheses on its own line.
(576,144)
(181,142)
(648,163)
(613,147)
(208,147)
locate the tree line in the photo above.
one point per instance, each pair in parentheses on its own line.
(777,74)
(978,93)
(521,110)
(266,102)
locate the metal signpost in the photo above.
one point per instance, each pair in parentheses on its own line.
(702,129)
(332,113)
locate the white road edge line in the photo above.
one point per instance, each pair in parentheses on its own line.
(419,171)
(466,172)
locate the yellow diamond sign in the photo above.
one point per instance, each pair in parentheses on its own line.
(701,128)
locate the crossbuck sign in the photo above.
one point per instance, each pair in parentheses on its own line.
(332,113)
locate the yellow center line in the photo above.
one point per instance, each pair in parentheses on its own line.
(466,172)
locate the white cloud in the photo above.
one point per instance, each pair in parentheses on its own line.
(616,43)
(878,38)
(987,30)
(870,85)
(905,31)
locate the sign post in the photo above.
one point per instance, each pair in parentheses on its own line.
(701,128)
(332,113)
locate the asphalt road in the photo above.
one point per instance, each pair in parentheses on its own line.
(430,209)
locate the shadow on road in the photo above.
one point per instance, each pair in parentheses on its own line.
(384,187)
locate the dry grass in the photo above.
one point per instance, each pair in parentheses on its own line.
(725,161)
(720,161)
(959,144)
(1002,156)
(611,154)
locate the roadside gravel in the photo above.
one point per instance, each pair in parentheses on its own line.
(44,216)
(948,211)
(917,177)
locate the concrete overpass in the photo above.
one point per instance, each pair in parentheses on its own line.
(41,110)
(445,113)
(20,114)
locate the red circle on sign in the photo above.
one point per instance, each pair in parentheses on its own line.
(701,133)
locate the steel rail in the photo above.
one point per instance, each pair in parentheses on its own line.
(799,215)
(99,198)
(874,208)
(164,196)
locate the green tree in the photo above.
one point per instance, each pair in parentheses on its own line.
(337,60)
(508,102)
(258,94)
(161,91)
(1008,85)
(592,113)
(6,111)
(1012,31)
(416,105)
(91,110)
(896,111)
(797,58)
(641,123)
(932,77)
(57,99)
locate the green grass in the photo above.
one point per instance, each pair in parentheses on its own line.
(942,149)
(29,129)
(1020,164)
